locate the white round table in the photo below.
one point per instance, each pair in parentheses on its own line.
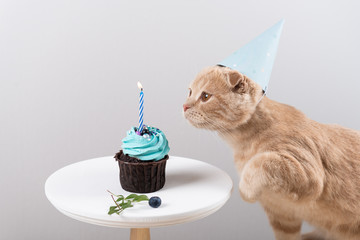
(193,190)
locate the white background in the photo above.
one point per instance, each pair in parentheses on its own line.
(68,73)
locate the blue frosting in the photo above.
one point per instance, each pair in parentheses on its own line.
(149,146)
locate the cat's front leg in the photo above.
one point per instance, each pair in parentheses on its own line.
(280,173)
(252,180)
(284,225)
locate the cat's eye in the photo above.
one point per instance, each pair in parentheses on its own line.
(190,92)
(205,96)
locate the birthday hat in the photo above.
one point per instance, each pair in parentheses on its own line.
(256,58)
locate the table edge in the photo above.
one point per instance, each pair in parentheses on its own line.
(180,219)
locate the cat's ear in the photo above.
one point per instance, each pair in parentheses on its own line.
(236,81)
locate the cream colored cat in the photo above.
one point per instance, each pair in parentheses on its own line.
(298,169)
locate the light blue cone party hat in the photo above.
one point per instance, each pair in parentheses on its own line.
(256,58)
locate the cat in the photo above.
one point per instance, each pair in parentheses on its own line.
(298,169)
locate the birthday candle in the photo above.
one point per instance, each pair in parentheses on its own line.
(141,109)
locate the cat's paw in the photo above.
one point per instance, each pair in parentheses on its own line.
(247,194)
(249,191)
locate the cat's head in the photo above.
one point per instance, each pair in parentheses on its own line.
(221,99)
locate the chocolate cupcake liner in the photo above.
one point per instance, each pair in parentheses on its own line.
(141,177)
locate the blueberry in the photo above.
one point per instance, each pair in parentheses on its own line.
(155,202)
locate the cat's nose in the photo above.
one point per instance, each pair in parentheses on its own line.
(186,107)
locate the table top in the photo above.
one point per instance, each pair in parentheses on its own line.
(193,190)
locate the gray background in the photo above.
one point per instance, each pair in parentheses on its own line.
(68,73)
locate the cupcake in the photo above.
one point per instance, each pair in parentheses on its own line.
(142,160)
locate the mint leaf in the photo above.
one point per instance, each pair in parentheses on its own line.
(131,196)
(127,205)
(122,203)
(140,198)
(113,209)
(120,198)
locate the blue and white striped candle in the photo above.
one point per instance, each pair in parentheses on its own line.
(141,109)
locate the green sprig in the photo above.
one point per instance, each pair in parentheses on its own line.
(122,202)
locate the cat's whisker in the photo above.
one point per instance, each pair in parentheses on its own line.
(221,129)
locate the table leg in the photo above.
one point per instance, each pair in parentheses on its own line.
(140,234)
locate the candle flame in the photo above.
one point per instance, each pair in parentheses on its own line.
(140,86)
